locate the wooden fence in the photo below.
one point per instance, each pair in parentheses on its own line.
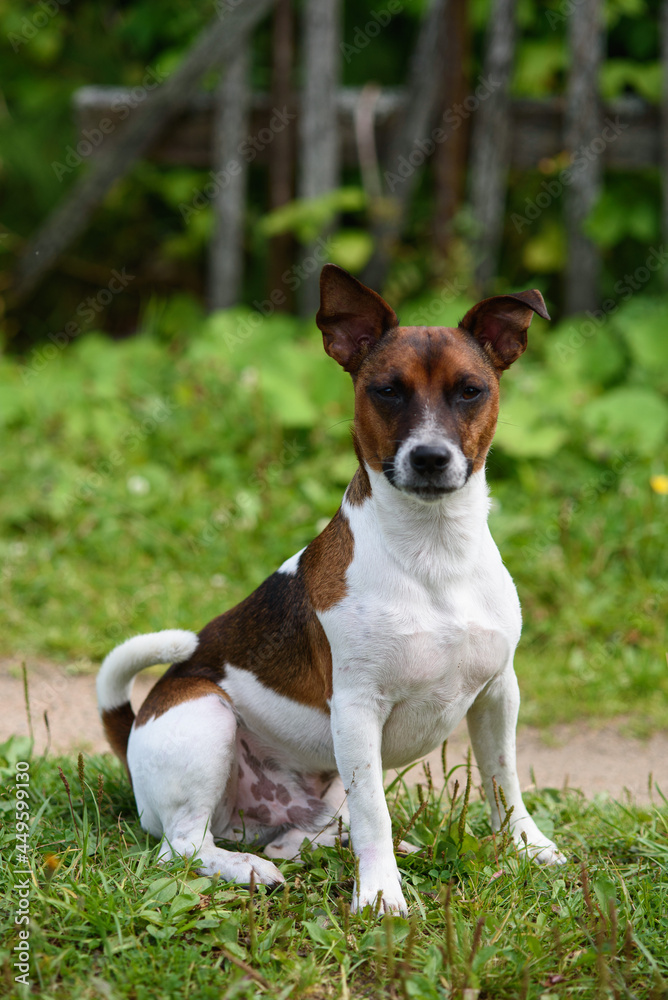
(305,138)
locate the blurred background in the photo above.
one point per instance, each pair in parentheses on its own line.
(172,179)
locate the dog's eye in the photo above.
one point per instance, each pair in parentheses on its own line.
(470,392)
(387,392)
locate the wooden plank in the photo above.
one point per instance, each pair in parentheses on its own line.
(536,126)
(451,157)
(319,146)
(583,128)
(282,161)
(230,127)
(216,44)
(411,143)
(490,144)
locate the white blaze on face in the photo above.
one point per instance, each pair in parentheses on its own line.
(429,435)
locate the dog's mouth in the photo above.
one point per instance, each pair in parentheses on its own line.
(429,492)
(428,487)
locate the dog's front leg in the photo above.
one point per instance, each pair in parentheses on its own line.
(491,721)
(357,729)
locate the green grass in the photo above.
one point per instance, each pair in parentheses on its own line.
(106,921)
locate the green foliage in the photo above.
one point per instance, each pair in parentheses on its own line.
(106,919)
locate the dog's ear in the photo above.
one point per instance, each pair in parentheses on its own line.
(500,324)
(351,316)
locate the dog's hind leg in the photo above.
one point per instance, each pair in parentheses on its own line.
(182,760)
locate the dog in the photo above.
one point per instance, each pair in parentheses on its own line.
(365,649)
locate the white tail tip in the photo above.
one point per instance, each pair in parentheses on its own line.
(114,680)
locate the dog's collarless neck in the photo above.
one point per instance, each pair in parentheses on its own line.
(443,534)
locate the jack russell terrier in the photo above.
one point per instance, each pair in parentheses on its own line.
(364,650)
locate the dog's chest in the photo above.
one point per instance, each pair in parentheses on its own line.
(408,642)
(421,638)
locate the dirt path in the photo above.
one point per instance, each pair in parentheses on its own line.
(591,759)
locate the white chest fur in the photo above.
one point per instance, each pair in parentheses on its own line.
(430,616)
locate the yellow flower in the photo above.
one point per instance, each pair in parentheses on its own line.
(659,484)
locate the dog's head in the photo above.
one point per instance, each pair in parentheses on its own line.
(426,397)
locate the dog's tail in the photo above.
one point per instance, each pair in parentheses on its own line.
(114,681)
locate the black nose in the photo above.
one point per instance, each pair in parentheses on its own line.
(428,459)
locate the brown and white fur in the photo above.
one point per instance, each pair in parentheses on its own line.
(364,650)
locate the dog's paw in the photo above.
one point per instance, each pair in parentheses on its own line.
(231,866)
(547,855)
(391,900)
(379,886)
(529,839)
(264,872)
(403,847)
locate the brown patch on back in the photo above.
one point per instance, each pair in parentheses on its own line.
(172,691)
(275,632)
(117,723)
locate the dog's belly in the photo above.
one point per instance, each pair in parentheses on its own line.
(272,794)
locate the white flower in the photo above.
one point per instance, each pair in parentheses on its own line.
(139,485)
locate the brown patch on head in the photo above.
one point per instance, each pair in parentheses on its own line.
(117,723)
(171,691)
(275,633)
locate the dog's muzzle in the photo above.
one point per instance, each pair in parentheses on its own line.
(428,469)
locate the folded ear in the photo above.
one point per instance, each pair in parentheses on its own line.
(351,316)
(500,324)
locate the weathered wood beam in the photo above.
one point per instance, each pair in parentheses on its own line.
(451,157)
(583,130)
(231,119)
(536,127)
(411,143)
(215,45)
(282,153)
(491,142)
(319,146)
